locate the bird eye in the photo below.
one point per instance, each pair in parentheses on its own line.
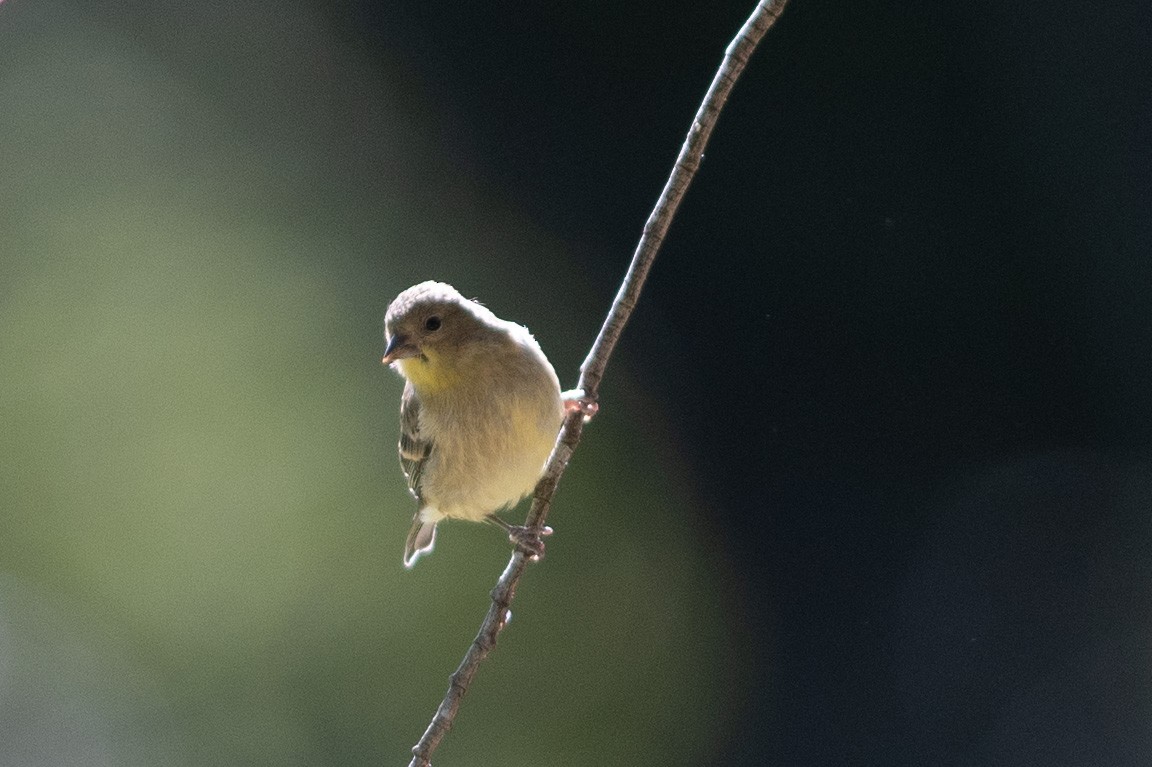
(432,323)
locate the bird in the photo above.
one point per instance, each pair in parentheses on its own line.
(479,414)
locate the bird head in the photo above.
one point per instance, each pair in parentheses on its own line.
(429,324)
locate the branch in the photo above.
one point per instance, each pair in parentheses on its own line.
(592,371)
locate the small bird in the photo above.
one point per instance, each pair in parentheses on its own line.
(480,411)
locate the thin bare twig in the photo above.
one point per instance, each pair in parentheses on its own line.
(592,371)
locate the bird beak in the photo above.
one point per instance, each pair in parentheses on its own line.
(399,348)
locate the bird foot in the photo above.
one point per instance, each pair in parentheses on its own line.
(529,540)
(576,401)
(524,538)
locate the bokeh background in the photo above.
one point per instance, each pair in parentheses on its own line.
(872,481)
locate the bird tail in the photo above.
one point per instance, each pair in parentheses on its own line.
(421,538)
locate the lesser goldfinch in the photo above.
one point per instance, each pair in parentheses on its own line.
(480,411)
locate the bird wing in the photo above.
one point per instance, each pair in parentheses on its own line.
(414,450)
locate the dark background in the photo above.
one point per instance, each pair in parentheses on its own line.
(904,323)
(872,481)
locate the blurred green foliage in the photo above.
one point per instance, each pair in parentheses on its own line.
(204,213)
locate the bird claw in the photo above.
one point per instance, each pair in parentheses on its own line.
(576,401)
(529,540)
